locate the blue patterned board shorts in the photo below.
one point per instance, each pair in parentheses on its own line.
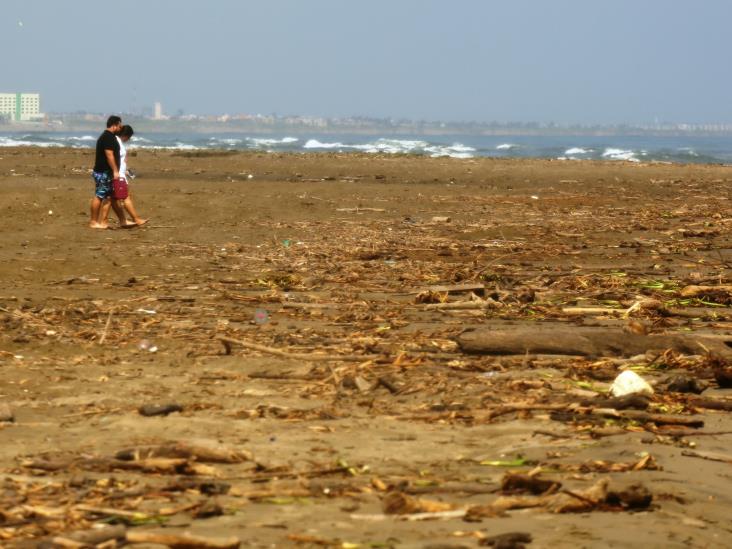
(103,185)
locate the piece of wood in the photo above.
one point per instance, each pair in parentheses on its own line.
(644,417)
(711,456)
(464,305)
(312,357)
(585,341)
(106,327)
(359,209)
(582,311)
(712,404)
(697,291)
(95,536)
(201,450)
(182,541)
(453,288)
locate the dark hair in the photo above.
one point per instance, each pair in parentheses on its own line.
(113,121)
(126,131)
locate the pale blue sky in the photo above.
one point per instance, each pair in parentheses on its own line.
(575,61)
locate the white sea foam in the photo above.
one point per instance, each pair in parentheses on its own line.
(83,138)
(620,154)
(263,142)
(506,146)
(456,150)
(399,146)
(176,147)
(11,142)
(315,144)
(578,150)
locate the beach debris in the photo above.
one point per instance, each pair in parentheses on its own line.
(723,377)
(181,541)
(510,540)
(6,413)
(517,483)
(149,410)
(91,537)
(682,383)
(716,294)
(398,503)
(147,345)
(630,383)
(582,341)
(205,451)
(441,219)
(261,316)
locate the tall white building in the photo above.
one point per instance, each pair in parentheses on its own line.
(20,107)
(158,111)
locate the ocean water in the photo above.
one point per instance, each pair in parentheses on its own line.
(676,149)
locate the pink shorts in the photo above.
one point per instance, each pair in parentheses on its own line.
(119,189)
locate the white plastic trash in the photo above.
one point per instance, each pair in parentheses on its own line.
(629,383)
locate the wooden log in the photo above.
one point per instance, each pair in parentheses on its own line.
(313,357)
(201,450)
(644,417)
(712,404)
(464,305)
(454,289)
(584,341)
(183,541)
(697,291)
(94,536)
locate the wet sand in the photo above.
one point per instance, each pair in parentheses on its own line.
(344,254)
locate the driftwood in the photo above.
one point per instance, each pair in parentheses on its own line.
(701,291)
(313,357)
(183,541)
(711,456)
(584,341)
(200,450)
(712,404)
(85,538)
(455,288)
(464,305)
(645,417)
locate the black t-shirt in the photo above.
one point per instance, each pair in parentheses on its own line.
(106,142)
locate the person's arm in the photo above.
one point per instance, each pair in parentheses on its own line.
(112,163)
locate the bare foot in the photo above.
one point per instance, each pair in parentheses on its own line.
(94,225)
(141,222)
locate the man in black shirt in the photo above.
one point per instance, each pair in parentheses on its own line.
(106,169)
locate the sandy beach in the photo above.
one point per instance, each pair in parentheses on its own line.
(322,330)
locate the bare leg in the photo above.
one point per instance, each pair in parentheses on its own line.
(94,210)
(130,207)
(117,207)
(104,214)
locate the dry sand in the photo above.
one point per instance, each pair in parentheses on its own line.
(335,248)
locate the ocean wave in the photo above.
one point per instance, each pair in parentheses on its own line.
(266,142)
(506,147)
(82,138)
(315,144)
(12,142)
(619,154)
(577,150)
(398,146)
(175,147)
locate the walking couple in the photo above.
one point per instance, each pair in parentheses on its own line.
(110,177)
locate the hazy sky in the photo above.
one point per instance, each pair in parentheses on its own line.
(586,61)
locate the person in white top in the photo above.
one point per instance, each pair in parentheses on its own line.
(122,193)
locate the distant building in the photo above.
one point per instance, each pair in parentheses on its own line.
(158,111)
(20,107)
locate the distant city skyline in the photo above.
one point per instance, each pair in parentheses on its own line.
(568,61)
